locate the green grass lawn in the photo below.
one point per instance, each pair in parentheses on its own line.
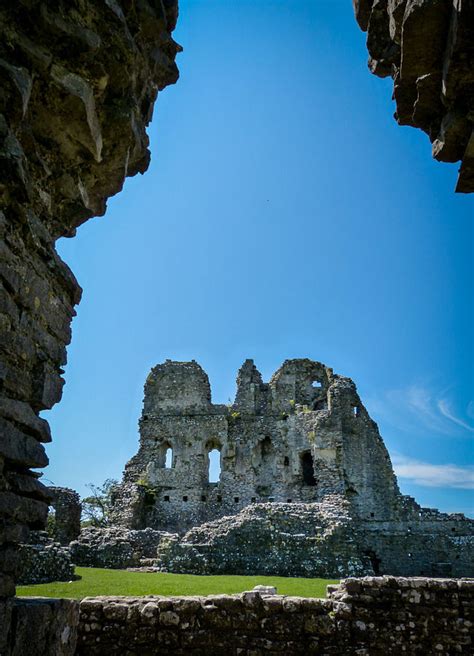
(94,582)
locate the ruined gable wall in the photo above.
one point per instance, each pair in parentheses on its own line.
(78,83)
(427,47)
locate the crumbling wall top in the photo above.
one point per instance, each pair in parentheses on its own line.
(176,387)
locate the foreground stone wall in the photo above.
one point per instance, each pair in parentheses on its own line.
(38,627)
(361,616)
(427,47)
(78,80)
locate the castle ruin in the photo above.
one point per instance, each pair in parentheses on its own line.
(301,448)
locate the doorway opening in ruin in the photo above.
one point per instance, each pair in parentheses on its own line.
(266,449)
(374,561)
(214,466)
(308,468)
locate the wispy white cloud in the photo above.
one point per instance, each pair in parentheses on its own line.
(470,409)
(418,405)
(429,475)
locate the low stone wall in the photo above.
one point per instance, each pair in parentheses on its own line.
(283,539)
(44,560)
(116,547)
(367,616)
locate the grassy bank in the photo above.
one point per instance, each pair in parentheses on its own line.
(94,582)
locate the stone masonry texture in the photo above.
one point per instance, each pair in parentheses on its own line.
(67,514)
(42,560)
(367,617)
(78,84)
(306,486)
(361,617)
(38,627)
(427,47)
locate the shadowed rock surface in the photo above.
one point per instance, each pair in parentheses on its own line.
(427,47)
(78,84)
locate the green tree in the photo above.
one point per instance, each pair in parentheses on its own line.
(97,506)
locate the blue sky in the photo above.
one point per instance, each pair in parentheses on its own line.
(285,214)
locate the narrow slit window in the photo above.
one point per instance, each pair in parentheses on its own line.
(355,411)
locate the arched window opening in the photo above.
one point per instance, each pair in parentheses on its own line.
(168,457)
(308,469)
(316,384)
(286,462)
(214,468)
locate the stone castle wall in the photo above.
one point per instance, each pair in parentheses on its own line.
(78,84)
(306,486)
(321,540)
(42,560)
(296,439)
(427,47)
(361,616)
(67,514)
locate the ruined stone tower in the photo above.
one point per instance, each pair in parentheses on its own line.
(306,485)
(298,438)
